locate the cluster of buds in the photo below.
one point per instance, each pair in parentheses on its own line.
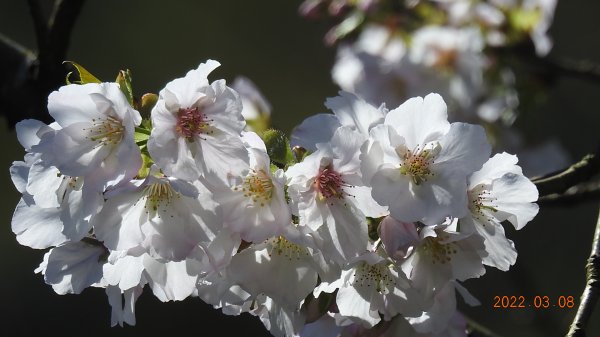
(364,221)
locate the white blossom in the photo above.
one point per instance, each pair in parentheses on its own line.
(166,216)
(95,137)
(370,286)
(499,192)
(444,254)
(254,203)
(417,163)
(196,127)
(322,195)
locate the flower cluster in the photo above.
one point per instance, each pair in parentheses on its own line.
(366,224)
(475,53)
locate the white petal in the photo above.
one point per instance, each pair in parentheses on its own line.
(464,149)
(362,198)
(19,174)
(514,196)
(169,281)
(354,112)
(117,225)
(72,103)
(174,157)
(420,120)
(345,145)
(29,132)
(74,267)
(495,167)
(353,305)
(501,252)
(222,155)
(125,273)
(44,185)
(249,267)
(226,110)
(72,153)
(37,227)
(315,129)
(344,233)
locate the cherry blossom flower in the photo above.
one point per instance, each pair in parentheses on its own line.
(254,203)
(322,195)
(370,286)
(444,254)
(417,163)
(499,192)
(196,127)
(95,135)
(50,200)
(166,216)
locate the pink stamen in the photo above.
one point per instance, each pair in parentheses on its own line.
(330,183)
(191,122)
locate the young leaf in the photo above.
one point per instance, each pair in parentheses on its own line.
(82,74)
(124,81)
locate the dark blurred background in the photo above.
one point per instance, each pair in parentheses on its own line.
(284,55)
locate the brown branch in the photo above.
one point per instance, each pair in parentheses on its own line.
(591,293)
(574,195)
(53,50)
(582,69)
(559,182)
(26,84)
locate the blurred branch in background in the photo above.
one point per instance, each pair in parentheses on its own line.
(26,77)
(551,67)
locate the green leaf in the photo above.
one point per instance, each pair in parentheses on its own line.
(141,135)
(278,147)
(147,125)
(273,168)
(83,76)
(124,81)
(146,163)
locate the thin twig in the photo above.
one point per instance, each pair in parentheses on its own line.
(583,69)
(574,195)
(591,293)
(559,182)
(479,328)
